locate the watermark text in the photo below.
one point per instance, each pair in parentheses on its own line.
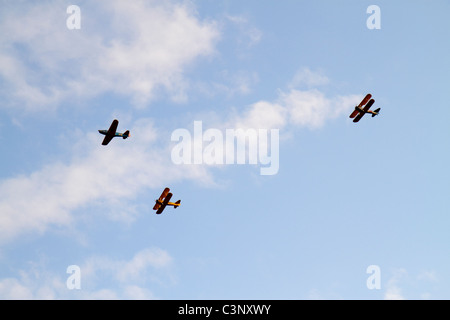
(74,20)
(235,146)
(74,280)
(374,280)
(374,20)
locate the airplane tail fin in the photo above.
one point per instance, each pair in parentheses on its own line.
(377,111)
(178,203)
(126,134)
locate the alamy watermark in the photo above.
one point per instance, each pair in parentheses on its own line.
(74,280)
(374,280)
(374,20)
(235,146)
(74,20)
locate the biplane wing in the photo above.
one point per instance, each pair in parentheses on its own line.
(161,198)
(111,132)
(363,102)
(364,111)
(164,204)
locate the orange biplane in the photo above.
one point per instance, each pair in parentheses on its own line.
(360,111)
(163,201)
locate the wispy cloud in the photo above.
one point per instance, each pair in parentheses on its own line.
(429,276)
(294,107)
(48,197)
(393,290)
(111,175)
(249,35)
(43,63)
(307,77)
(136,267)
(401,281)
(100,278)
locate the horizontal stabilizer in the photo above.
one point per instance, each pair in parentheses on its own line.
(177,204)
(376,112)
(126,134)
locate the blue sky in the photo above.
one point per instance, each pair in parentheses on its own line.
(346,196)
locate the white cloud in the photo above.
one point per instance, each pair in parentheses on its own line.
(137,293)
(37,282)
(393,290)
(134,269)
(428,276)
(240,82)
(311,108)
(13,289)
(261,115)
(307,108)
(303,108)
(128,271)
(308,78)
(49,197)
(34,283)
(248,35)
(293,108)
(101,294)
(418,285)
(314,294)
(112,175)
(43,63)
(148,267)
(230,84)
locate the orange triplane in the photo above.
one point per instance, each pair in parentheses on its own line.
(359,111)
(163,201)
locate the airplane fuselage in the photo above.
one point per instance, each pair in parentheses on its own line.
(117,134)
(169,203)
(362,110)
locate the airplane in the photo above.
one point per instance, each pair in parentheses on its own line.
(359,111)
(163,201)
(111,133)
